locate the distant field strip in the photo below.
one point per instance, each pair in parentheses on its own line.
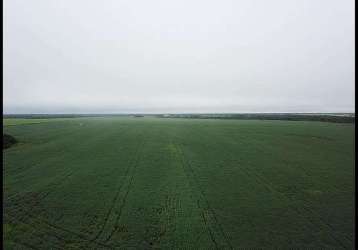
(23,121)
(153,183)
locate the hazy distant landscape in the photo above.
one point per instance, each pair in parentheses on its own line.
(329,117)
(147,125)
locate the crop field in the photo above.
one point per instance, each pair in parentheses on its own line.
(154,183)
(21,121)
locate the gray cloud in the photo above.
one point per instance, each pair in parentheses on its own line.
(178,56)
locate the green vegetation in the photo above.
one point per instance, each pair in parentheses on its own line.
(120,182)
(22,121)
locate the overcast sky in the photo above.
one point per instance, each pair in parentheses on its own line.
(81,56)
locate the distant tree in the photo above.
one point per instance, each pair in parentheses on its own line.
(8,141)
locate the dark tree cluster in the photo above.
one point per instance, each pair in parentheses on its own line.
(8,141)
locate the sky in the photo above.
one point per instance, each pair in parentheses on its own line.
(186,56)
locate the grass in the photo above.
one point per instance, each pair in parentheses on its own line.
(23,121)
(102,183)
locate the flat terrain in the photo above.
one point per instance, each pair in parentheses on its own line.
(152,183)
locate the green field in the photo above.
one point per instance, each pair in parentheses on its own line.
(21,121)
(152,183)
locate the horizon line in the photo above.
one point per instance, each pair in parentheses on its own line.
(158,113)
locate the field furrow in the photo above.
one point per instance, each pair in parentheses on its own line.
(151,183)
(214,228)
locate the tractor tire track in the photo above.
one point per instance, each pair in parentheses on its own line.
(130,181)
(214,228)
(25,211)
(51,187)
(117,195)
(54,227)
(271,188)
(25,244)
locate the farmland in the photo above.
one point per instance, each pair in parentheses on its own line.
(154,183)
